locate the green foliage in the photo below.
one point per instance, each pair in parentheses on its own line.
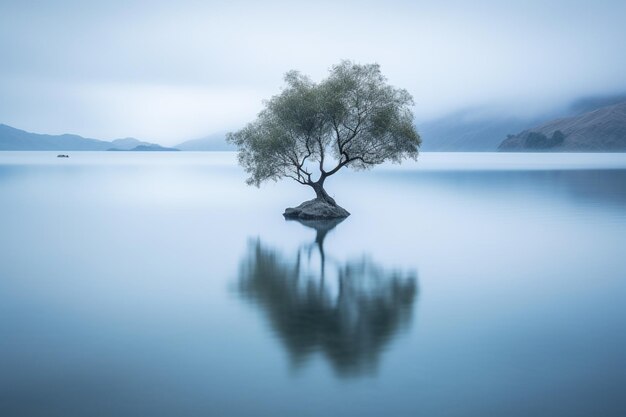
(557,138)
(353,118)
(536,140)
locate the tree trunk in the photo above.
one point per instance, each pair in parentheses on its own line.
(321,194)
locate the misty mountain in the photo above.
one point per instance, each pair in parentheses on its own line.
(601,130)
(127,143)
(214,142)
(12,139)
(587,104)
(147,148)
(472,130)
(469,130)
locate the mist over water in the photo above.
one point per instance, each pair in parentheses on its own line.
(462,285)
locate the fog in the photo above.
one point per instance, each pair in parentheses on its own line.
(174,71)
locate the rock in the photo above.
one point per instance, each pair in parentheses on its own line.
(316,209)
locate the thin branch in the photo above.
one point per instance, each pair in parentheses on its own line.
(295,179)
(319,142)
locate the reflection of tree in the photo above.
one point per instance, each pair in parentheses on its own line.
(351,326)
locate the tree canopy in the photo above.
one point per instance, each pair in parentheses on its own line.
(537,140)
(309,131)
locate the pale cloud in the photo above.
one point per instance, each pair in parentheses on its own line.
(168,112)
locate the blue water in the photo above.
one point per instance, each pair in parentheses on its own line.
(139,284)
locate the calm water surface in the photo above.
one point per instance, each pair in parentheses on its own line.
(463,285)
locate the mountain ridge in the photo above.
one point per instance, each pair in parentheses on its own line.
(213,142)
(472,129)
(599,130)
(13,139)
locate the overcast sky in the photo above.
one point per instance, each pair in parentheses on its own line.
(171,71)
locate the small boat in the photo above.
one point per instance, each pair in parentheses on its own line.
(63,156)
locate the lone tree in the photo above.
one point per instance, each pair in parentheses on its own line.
(353,118)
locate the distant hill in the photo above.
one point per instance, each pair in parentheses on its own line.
(469,131)
(146,148)
(127,143)
(215,142)
(600,130)
(472,130)
(12,139)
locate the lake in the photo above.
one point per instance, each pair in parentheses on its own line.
(159,284)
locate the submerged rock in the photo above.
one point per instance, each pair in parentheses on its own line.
(316,209)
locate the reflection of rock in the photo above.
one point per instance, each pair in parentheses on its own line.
(349,321)
(322,227)
(316,209)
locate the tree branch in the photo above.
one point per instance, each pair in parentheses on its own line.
(295,179)
(337,168)
(319,142)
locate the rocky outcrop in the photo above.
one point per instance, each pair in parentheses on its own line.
(316,209)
